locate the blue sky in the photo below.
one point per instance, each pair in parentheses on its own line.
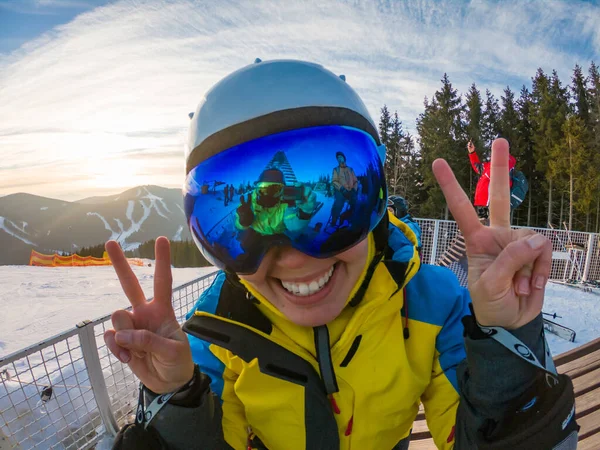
(95,94)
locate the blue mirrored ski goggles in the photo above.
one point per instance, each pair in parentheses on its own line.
(320,190)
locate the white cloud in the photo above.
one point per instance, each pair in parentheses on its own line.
(125,75)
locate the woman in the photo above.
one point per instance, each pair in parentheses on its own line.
(326,340)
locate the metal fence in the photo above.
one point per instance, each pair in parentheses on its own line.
(68,391)
(575,254)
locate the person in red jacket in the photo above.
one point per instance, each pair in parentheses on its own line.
(482,191)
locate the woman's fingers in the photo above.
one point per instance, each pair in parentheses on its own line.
(144,341)
(533,250)
(500,185)
(127,278)
(122,320)
(163,278)
(542,267)
(121,353)
(457,200)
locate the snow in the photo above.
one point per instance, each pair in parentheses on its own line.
(579,311)
(40,302)
(12,233)
(114,234)
(122,232)
(43,208)
(119,224)
(177,236)
(154,199)
(37,303)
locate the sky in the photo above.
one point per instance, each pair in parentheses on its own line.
(95,95)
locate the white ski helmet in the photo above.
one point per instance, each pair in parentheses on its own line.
(270,97)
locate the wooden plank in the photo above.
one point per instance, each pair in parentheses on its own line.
(587,403)
(588,382)
(582,365)
(578,352)
(420,426)
(424,444)
(589,443)
(590,424)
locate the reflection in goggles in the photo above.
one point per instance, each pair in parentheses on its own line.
(273,190)
(320,190)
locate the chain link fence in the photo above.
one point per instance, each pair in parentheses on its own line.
(68,391)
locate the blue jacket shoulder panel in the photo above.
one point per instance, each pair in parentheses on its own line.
(434,296)
(201,354)
(400,244)
(414,226)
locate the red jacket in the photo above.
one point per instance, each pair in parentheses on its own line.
(482,191)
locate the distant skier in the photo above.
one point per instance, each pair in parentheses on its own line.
(456,254)
(482,191)
(226,195)
(398,206)
(345,185)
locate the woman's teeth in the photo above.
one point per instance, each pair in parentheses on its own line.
(310,288)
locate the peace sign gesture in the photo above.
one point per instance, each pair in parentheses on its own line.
(508,269)
(149,338)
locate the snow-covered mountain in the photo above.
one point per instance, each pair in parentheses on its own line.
(48,225)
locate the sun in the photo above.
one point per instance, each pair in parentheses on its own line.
(112,172)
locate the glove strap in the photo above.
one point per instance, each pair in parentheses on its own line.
(144,415)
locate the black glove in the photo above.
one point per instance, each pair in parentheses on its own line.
(133,437)
(244,211)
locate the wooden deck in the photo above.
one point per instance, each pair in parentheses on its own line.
(583,366)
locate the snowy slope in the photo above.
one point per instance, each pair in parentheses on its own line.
(132,217)
(39,302)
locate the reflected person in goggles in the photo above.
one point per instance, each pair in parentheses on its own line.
(323,328)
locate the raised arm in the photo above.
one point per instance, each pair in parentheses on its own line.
(511,396)
(177,408)
(475,163)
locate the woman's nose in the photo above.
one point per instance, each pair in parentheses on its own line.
(290,258)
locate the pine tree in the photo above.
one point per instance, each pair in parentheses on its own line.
(474,116)
(442,135)
(570,159)
(385,125)
(549,111)
(526,162)
(508,123)
(395,155)
(474,124)
(490,128)
(579,93)
(594,130)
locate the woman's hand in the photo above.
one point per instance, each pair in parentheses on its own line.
(149,338)
(508,269)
